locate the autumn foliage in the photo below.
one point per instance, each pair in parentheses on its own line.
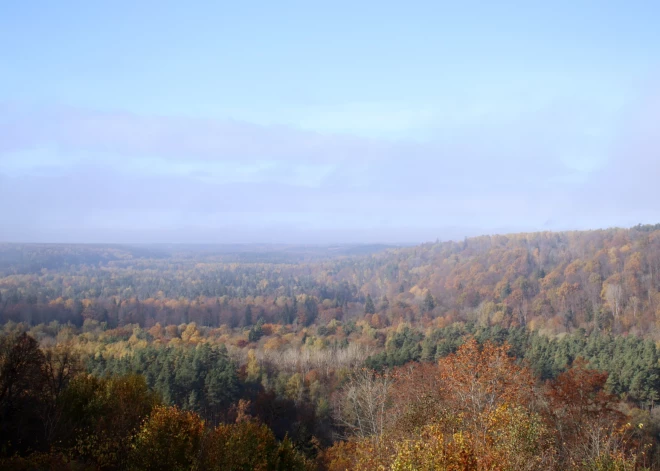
(517,352)
(478,409)
(604,280)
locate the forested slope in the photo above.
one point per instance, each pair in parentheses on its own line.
(597,280)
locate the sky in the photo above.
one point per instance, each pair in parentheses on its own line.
(325,121)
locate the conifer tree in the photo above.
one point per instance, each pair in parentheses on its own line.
(429,302)
(369,307)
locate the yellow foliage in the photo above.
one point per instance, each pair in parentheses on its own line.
(253,369)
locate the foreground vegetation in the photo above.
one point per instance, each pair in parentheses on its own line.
(100,399)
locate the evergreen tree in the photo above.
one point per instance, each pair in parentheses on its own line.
(288,314)
(256,332)
(221,382)
(165,385)
(311,310)
(429,302)
(247,321)
(506,291)
(192,403)
(369,307)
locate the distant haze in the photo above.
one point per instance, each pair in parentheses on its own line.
(294,122)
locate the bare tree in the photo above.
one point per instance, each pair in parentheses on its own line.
(361,406)
(613,296)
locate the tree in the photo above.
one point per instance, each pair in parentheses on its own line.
(169,439)
(311,311)
(61,365)
(384,304)
(584,414)
(247,446)
(429,302)
(221,382)
(23,394)
(252,369)
(361,408)
(256,332)
(613,294)
(100,417)
(247,318)
(369,307)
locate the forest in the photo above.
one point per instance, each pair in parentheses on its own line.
(520,351)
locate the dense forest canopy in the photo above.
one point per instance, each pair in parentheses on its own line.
(524,351)
(605,280)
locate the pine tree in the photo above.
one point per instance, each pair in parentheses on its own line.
(165,385)
(429,302)
(369,307)
(192,402)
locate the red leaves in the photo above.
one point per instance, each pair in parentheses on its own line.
(478,378)
(581,392)
(584,415)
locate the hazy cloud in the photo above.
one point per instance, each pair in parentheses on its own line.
(182,179)
(128,135)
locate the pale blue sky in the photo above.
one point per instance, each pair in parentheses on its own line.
(325,121)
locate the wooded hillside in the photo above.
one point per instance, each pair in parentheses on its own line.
(597,280)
